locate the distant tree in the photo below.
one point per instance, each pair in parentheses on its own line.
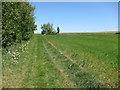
(48,29)
(58,30)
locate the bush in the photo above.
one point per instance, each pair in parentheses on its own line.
(17,22)
(48,29)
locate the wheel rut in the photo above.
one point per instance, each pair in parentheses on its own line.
(60,69)
(74,62)
(64,54)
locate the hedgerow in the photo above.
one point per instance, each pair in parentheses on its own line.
(17,22)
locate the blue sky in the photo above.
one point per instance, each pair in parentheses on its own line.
(77,16)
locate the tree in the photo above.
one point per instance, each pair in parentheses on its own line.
(17,22)
(58,30)
(48,29)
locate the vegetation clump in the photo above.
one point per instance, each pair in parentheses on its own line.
(58,29)
(48,29)
(17,22)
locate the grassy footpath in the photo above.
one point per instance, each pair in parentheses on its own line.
(41,64)
(34,69)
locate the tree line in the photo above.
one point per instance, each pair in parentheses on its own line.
(18,22)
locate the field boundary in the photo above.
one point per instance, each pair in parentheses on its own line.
(87,32)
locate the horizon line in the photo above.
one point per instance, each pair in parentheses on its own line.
(88,32)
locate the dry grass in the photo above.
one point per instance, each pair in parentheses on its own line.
(91,32)
(85,32)
(37,33)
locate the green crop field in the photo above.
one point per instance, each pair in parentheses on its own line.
(62,61)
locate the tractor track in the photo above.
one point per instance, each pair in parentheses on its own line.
(59,68)
(80,66)
(64,54)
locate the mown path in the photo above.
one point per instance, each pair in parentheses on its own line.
(44,66)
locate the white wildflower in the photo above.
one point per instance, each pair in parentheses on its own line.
(14,61)
(9,52)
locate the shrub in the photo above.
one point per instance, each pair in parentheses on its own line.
(17,22)
(48,29)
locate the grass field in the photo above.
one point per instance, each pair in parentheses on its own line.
(62,61)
